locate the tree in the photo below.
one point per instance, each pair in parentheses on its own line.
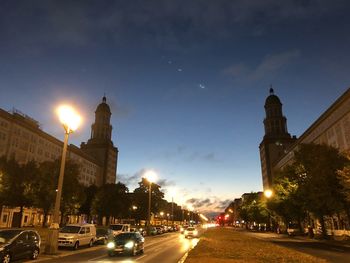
(287,201)
(311,183)
(141,198)
(111,200)
(86,207)
(17,184)
(253,209)
(45,188)
(46,185)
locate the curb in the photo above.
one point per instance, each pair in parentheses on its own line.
(62,253)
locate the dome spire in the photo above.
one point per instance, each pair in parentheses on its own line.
(271,90)
(104,98)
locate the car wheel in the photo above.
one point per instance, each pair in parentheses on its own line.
(111,253)
(76,245)
(35,254)
(91,243)
(6,258)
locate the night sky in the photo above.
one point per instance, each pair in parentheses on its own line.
(186,80)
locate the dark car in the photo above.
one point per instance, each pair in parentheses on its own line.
(103,235)
(18,244)
(131,243)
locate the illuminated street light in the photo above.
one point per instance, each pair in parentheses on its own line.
(70,120)
(268,193)
(151,177)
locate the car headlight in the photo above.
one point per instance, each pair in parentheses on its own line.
(195,232)
(130,244)
(111,245)
(186,232)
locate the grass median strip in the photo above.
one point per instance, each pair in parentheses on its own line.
(219,245)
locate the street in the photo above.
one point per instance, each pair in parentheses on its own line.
(328,251)
(171,246)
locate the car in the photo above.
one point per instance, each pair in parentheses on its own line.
(183,228)
(76,235)
(19,244)
(103,235)
(119,228)
(130,243)
(153,231)
(191,232)
(160,230)
(293,229)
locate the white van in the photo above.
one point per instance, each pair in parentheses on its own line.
(119,228)
(76,235)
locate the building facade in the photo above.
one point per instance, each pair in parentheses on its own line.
(276,139)
(22,138)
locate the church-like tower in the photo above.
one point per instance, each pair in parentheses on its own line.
(276,139)
(100,145)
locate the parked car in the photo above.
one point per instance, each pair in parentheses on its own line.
(153,231)
(159,230)
(293,230)
(191,232)
(119,228)
(131,243)
(19,244)
(103,235)
(76,235)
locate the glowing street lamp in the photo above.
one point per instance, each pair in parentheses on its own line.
(151,177)
(268,193)
(70,120)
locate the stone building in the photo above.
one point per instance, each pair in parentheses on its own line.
(22,138)
(276,139)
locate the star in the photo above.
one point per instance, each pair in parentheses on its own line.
(179,69)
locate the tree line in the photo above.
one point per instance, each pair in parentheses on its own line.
(34,185)
(316,185)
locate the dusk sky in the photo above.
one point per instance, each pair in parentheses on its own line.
(186,80)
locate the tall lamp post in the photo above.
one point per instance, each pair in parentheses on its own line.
(70,120)
(150,177)
(268,194)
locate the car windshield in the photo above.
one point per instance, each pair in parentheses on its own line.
(116,227)
(293,225)
(125,236)
(7,235)
(190,228)
(70,229)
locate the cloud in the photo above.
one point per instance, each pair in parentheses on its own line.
(168,24)
(129,180)
(165,183)
(269,66)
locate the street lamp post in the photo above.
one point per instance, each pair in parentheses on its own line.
(150,177)
(268,194)
(70,121)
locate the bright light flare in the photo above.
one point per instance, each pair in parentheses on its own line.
(150,176)
(203,217)
(69,117)
(268,193)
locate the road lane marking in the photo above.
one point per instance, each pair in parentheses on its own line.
(99,257)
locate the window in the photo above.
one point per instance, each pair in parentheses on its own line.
(4,218)
(87,230)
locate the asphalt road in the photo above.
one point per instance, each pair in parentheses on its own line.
(330,251)
(170,248)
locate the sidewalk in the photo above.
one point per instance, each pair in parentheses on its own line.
(221,245)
